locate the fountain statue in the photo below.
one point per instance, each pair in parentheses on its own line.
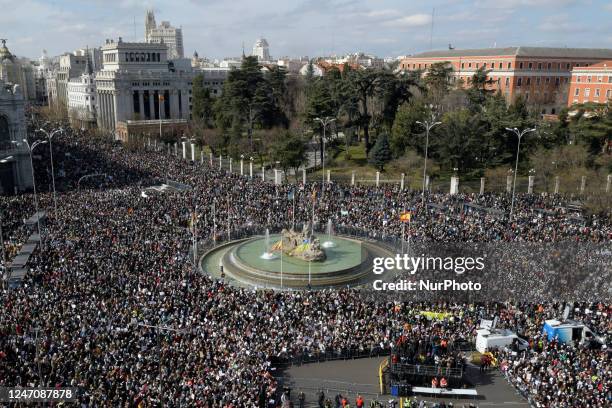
(302,245)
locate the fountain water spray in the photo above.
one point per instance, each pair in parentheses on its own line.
(267,254)
(329,243)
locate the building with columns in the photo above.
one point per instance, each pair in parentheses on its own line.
(541,75)
(15,173)
(138,83)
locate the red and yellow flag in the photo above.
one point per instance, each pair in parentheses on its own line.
(405,216)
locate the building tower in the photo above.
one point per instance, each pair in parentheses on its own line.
(261,50)
(150,24)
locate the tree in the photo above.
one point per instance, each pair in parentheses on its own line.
(380,153)
(363,83)
(290,151)
(393,90)
(478,91)
(459,137)
(202,102)
(437,80)
(406,132)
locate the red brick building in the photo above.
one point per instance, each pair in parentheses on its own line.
(591,84)
(541,75)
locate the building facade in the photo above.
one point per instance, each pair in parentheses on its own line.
(15,173)
(70,66)
(137,82)
(164,34)
(540,75)
(17,71)
(82,100)
(591,84)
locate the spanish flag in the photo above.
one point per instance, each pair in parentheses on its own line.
(405,216)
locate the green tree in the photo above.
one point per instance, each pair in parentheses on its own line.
(363,83)
(380,153)
(290,151)
(406,132)
(459,136)
(202,102)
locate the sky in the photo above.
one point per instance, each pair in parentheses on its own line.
(387,28)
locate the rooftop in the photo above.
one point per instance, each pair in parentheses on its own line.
(546,52)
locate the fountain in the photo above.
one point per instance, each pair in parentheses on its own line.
(267,254)
(329,243)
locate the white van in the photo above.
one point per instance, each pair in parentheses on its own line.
(487,339)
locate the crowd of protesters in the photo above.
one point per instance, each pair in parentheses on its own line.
(113,306)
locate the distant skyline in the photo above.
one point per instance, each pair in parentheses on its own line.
(386,28)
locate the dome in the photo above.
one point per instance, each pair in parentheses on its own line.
(5,54)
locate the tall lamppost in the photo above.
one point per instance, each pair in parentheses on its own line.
(50,138)
(324,122)
(428,125)
(519,134)
(31,147)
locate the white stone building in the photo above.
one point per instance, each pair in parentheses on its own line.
(137,82)
(16,173)
(82,100)
(17,71)
(164,34)
(261,50)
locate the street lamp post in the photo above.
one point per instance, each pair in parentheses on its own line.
(324,122)
(519,134)
(31,147)
(50,138)
(428,125)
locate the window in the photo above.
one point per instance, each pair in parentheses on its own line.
(521,65)
(589,78)
(462,65)
(577,92)
(587,92)
(469,65)
(599,78)
(528,82)
(538,80)
(567,66)
(539,65)
(610,79)
(530,65)
(609,93)
(597,92)
(509,65)
(507,81)
(578,79)
(500,65)
(519,82)
(557,81)
(547,80)
(549,66)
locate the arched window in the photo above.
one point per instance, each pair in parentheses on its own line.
(5,134)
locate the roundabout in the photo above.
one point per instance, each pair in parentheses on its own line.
(261,261)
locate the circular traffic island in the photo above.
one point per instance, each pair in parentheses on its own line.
(263,262)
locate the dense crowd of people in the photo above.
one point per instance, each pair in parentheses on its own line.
(113,305)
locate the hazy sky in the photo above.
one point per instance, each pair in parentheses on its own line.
(309,27)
